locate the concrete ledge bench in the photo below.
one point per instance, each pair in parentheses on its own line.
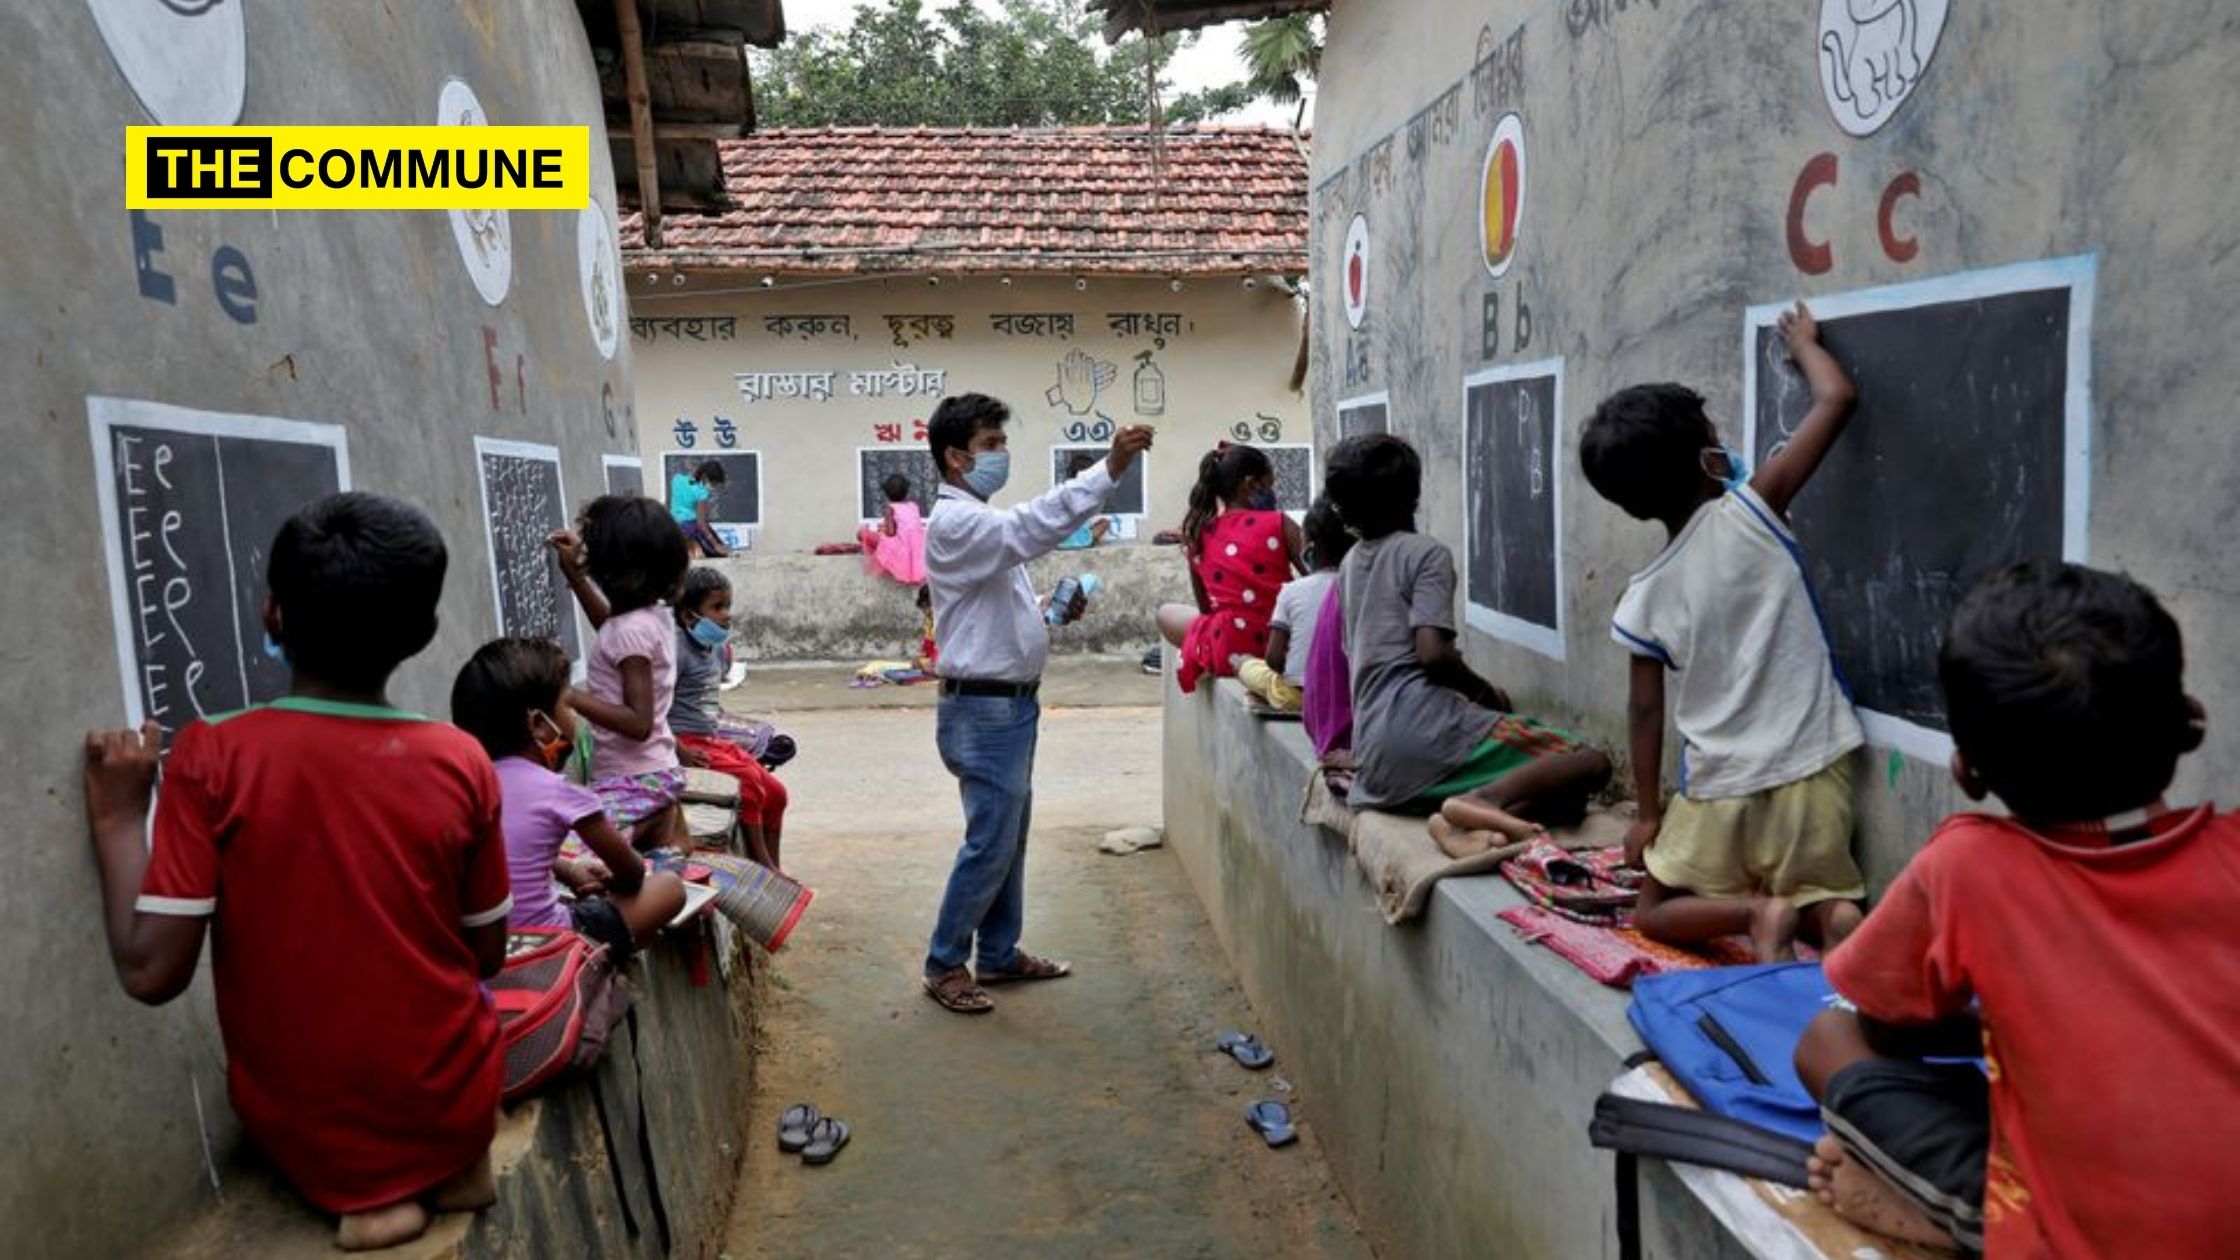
(1449,1067)
(637,1159)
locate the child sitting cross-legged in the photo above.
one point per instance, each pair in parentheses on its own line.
(1278,678)
(707,737)
(624,559)
(1759,839)
(512,696)
(347,859)
(2083,946)
(1430,735)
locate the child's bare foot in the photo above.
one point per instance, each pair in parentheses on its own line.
(1472,815)
(1773,930)
(1459,843)
(1856,1194)
(470,1191)
(381,1227)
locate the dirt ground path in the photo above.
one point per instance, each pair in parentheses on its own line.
(1086,1117)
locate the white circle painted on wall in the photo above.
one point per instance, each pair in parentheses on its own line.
(1353,271)
(485,236)
(1872,55)
(1501,186)
(187,60)
(600,269)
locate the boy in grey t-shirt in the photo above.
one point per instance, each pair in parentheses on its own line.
(1429,733)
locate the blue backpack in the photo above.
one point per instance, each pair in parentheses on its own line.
(1730,1035)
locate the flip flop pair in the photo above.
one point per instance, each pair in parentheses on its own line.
(1247,1049)
(814,1136)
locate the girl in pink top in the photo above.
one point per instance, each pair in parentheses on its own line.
(897,546)
(625,559)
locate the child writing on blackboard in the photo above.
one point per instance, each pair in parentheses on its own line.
(350,862)
(1759,839)
(1430,736)
(692,500)
(707,737)
(624,560)
(512,696)
(2082,945)
(896,546)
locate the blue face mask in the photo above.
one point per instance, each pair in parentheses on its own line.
(1736,473)
(709,633)
(990,470)
(1263,501)
(273,649)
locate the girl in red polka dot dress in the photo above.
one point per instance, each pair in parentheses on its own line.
(1241,550)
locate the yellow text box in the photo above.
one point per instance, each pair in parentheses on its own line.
(357,168)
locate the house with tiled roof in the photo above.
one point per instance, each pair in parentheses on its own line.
(803,327)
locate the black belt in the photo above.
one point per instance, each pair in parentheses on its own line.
(989,687)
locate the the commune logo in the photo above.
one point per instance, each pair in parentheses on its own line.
(357,168)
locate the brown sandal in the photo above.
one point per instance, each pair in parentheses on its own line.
(1026,966)
(954,990)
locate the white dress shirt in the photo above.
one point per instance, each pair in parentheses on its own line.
(986,622)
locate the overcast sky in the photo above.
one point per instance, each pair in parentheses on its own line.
(1211,62)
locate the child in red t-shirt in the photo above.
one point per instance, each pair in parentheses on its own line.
(2083,946)
(348,859)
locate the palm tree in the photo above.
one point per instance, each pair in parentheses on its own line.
(1282,56)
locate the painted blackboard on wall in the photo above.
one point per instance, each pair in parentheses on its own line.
(1367,414)
(1127,497)
(190,503)
(523,502)
(1968,452)
(738,501)
(875,463)
(1294,475)
(626,474)
(1512,489)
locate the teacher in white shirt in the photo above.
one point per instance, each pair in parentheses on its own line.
(989,628)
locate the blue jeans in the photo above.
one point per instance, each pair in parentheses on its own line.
(988,743)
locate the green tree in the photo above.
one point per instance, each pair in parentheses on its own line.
(1281,57)
(1037,63)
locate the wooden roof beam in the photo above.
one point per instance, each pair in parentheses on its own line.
(641,116)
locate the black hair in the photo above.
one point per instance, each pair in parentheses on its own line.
(2065,690)
(356,578)
(710,472)
(1223,469)
(1080,462)
(634,550)
(896,487)
(501,685)
(1326,534)
(1643,449)
(700,582)
(954,422)
(1374,482)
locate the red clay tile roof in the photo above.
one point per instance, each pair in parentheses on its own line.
(1073,200)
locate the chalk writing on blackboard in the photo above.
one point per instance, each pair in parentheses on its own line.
(190,501)
(1969,451)
(523,502)
(1294,462)
(1512,494)
(874,464)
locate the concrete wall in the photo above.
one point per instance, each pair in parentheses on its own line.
(798,607)
(1230,364)
(1665,143)
(365,320)
(1448,1067)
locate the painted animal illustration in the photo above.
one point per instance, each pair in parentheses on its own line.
(1873,55)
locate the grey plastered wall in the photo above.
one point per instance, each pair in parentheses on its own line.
(1664,142)
(367,320)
